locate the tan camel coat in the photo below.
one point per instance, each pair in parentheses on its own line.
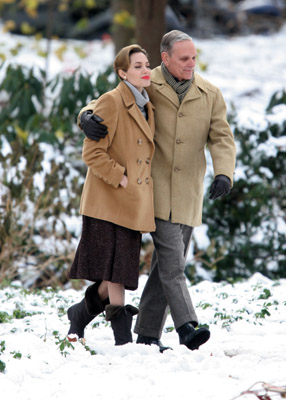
(182,132)
(127,149)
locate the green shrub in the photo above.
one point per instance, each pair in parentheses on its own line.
(42,176)
(243,227)
(41,170)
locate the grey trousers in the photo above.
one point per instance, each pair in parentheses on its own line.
(166,286)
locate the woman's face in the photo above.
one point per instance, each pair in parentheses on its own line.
(139,72)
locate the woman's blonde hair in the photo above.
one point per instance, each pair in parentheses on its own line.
(122,60)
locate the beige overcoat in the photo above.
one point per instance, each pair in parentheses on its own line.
(127,149)
(182,132)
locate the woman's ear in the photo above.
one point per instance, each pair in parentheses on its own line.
(121,73)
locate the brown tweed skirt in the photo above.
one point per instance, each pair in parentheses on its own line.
(107,251)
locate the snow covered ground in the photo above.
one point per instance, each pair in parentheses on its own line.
(247,345)
(247,320)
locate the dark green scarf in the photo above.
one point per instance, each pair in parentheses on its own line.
(180,87)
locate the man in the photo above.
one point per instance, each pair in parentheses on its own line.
(190,113)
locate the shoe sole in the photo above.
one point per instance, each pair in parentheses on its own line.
(161,347)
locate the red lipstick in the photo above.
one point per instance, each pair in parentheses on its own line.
(146,77)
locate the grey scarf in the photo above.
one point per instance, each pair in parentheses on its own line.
(141,99)
(180,87)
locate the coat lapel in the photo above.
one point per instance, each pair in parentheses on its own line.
(151,119)
(163,87)
(133,110)
(166,90)
(192,94)
(195,90)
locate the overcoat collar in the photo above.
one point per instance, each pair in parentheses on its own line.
(133,110)
(197,86)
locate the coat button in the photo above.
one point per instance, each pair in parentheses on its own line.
(176,169)
(181,114)
(178,141)
(139,161)
(147,180)
(139,141)
(148,160)
(139,181)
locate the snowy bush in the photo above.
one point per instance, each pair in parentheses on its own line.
(42,176)
(41,171)
(247,228)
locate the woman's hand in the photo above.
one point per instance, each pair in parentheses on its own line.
(124,181)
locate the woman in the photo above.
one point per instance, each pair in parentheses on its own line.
(117,199)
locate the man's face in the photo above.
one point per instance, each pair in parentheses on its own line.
(182,60)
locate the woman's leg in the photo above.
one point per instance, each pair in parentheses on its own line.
(116,293)
(103,290)
(118,314)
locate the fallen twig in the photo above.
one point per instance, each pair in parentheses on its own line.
(263,393)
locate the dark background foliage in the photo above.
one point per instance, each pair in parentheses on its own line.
(38,116)
(242,227)
(40,144)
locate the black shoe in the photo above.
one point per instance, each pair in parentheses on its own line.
(150,340)
(191,337)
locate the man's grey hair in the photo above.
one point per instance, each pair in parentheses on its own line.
(172,37)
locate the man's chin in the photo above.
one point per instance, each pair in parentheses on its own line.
(188,76)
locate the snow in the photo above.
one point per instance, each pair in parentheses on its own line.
(246,319)
(247,345)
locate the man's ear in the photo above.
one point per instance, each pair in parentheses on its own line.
(165,58)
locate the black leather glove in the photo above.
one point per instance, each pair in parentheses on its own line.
(90,124)
(220,187)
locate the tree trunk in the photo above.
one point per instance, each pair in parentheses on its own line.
(123,26)
(150,27)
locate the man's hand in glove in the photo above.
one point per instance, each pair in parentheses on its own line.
(92,127)
(220,187)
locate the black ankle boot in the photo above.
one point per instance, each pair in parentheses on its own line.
(79,318)
(94,305)
(121,321)
(150,340)
(191,337)
(82,313)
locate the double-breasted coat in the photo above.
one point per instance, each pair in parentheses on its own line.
(127,149)
(182,132)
